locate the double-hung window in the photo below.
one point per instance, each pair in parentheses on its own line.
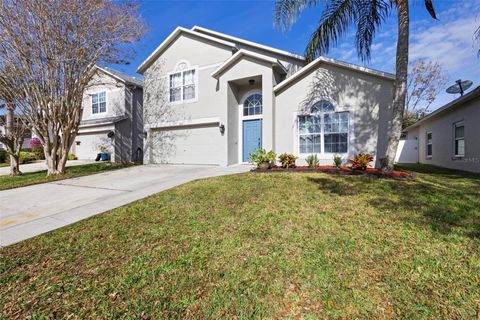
(335,132)
(429,145)
(183,85)
(309,133)
(459,136)
(99,102)
(323,130)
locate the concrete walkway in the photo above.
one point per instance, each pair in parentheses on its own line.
(40,165)
(33,210)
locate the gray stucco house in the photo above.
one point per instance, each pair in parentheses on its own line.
(112,118)
(211,98)
(450,136)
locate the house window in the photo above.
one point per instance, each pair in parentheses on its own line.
(253,105)
(183,84)
(323,130)
(99,102)
(336,132)
(309,134)
(429,145)
(459,136)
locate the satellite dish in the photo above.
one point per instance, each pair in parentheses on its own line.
(459,87)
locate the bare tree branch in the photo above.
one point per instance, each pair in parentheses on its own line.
(49,56)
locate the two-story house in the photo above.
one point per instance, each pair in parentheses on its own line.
(112,118)
(217,98)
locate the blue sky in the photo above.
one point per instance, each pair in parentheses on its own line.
(448,40)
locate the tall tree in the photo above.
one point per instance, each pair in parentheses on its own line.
(367,16)
(425,81)
(49,49)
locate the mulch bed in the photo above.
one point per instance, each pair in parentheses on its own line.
(400,175)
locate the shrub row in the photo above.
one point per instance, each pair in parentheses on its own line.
(265,160)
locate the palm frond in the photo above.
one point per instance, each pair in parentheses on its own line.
(430,9)
(337,16)
(286,12)
(371,14)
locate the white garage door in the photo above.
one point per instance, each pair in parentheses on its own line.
(90,145)
(187,145)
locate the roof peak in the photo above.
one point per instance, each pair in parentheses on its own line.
(228,37)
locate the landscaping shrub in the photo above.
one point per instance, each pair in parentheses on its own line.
(3,156)
(287,160)
(262,158)
(337,161)
(37,148)
(361,161)
(71,157)
(27,157)
(312,160)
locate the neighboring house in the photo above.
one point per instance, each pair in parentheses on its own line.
(27,139)
(112,118)
(224,97)
(450,136)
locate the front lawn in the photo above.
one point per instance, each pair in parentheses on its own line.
(29,178)
(282,245)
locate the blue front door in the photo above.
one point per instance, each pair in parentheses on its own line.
(252,137)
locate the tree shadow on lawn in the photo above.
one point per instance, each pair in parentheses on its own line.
(444,206)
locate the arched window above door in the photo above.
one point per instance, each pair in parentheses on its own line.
(253,105)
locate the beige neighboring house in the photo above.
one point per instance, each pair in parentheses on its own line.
(223,97)
(450,136)
(112,118)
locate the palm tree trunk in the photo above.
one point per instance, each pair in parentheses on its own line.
(400,87)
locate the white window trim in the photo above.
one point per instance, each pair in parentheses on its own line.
(322,133)
(455,125)
(195,79)
(91,103)
(427,156)
(242,118)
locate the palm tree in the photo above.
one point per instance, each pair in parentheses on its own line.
(367,15)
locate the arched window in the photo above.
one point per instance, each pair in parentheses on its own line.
(323,130)
(253,105)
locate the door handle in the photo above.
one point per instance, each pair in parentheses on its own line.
(259,143)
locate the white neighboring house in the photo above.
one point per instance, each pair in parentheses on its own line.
(226,97)
(112,118)
(450,136)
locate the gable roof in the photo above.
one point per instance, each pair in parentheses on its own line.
(122,77)
(227,37)
(245,53)
(313,65)
(475,93)
(179,30)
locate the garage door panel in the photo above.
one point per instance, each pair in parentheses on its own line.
(187,145)
(90,145)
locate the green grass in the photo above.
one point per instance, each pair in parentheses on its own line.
(4,164)
(280,245)
(29,178)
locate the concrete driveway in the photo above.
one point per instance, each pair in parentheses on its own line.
(33,210)
(40,165)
